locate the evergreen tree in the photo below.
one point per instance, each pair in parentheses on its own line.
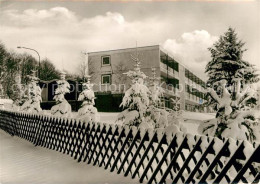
(17,88)
(234,118)
(87,111)
(230,91)
(136,99)
(227,63)
(157,92)
(157,115)
(175,117)
(62,107)
(33,104)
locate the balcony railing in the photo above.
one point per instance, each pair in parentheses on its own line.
(171,72)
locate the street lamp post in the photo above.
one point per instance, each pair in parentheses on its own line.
(19,47)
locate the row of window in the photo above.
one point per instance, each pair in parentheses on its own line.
(194,91)
(172,81)
(170,63)
(194,78)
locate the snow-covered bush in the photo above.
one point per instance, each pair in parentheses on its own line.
(136,100)
(158,116)
(156,113)
(33,104)
(234,118)
(62,107)
(17,90)
(87,111)
(157,92)
(175,117)
(20,93)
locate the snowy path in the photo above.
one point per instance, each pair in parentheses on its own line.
(21,162)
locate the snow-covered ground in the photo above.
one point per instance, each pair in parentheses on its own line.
(191,119)
(21,162)
(6,103)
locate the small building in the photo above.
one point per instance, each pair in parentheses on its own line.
(107,69)
(48,93)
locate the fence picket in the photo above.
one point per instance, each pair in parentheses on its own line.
(129,151)
(121,150)
(90,128)
(249,161)
(110,144)
(122,132)
(136,153)
(216,159)
(187,161)
(173,161)
(152,159)
(96,143)
(103,145)
(145,154)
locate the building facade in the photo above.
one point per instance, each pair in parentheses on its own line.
(107,70)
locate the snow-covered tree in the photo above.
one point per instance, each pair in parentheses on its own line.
(18,93)
(87,111)
(230,92)
(157,115)
(33,104)
(175,117)
(234,118)
(227,62)
(136,100)
(18,90)
(62,107)
(157,92)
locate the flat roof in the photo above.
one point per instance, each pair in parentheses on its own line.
(124,49)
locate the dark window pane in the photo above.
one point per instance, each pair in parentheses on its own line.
(106,79)
(106,61)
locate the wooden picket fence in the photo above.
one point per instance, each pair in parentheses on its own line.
(161,156)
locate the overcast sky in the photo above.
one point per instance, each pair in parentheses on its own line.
(61,30)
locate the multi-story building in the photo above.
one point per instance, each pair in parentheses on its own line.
(258,97)
(107,69)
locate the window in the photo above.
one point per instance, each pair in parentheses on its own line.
(106,79)
(176,66)
(105,60)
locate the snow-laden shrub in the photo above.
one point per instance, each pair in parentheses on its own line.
(87,111)
(136,100)
(175,117)
(234,117)
(157,115)
(144,107)
(62,107)
(33,104)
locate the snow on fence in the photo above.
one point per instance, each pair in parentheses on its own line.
(160,156)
